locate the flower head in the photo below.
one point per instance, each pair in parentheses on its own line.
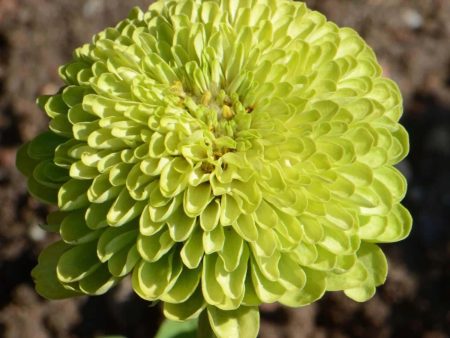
(225,154)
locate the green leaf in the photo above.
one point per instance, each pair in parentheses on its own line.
(173,329)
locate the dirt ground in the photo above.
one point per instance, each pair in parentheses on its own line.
(412,41)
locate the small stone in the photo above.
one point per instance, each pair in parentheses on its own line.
(412,18)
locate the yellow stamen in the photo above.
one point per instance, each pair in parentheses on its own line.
(206,98)
(227,112)
(177,89)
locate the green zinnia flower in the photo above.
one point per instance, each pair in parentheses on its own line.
(225,154)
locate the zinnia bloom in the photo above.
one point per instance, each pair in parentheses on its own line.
(224,154)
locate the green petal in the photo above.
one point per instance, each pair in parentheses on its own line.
(101,189)
(312,291)
(232,250)
(398,227)
(24,162)
(43,193)
(240,323)
(314,231)
(73,195)
(306,253)
(189,309)
(122,262)
(265,216)
(325,261)
(392,178)
(181,225)
(209,218)
(196,199)
(292,275)
(113,240)
(374,261)
(336,241)
(44,274)
(211,288)
(269,266)
(184,287)
(352,278)
(192,251)
(151,280)
(152,248)
(74,229)
(229,210)
(266,244)
(213,241)
(44,145)
(50,175)
(98,282)
(124,209)
(78,262)
(146,226)
(95,215)
(266,290)
(246,228)
(232,283)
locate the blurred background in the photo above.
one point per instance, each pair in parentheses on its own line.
(412,41)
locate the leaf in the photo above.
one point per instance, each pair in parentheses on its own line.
(173,329)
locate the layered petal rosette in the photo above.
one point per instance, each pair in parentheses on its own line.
(224,154)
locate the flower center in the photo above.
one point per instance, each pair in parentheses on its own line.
(216,121)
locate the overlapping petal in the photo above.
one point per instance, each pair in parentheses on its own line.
(225,154)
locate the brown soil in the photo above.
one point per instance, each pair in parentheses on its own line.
(412,40)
